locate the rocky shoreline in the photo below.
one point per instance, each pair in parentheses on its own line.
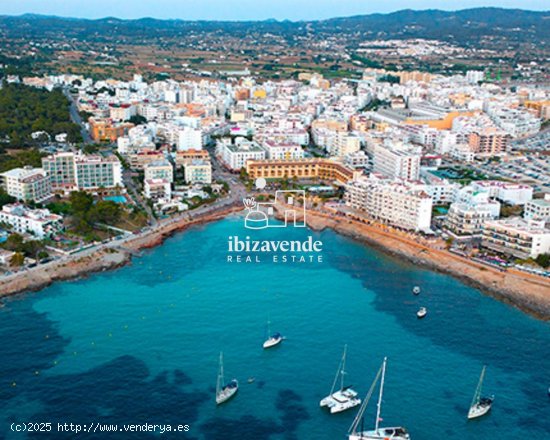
(108,257)
(529,293)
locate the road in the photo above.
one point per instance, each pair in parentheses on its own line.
(75,116)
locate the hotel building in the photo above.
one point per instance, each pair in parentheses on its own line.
(395,203)
(517,237)
(27,184)
(323,169)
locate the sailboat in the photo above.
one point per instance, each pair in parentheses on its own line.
(345,398)
(378,433)
(273,340)
(480,405)
(225,392)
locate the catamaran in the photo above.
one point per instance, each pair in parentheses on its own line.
(345,398)
(480,405)
(224,392)
(395,433)
(273,340)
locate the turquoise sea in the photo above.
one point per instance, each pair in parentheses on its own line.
(141,345)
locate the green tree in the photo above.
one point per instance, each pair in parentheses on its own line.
(543,260)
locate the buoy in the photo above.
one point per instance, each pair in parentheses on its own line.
(110,335)
(93,343)
(126,326)
(37,372)
(74,353)
(55,362)
(13,384)
(47,337)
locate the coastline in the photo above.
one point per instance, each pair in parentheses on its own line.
(529,293)
(105,257)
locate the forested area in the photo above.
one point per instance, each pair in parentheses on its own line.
(25,110)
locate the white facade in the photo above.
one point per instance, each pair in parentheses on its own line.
(391,202)
(397,161)
(467,219)
(156,189)
(27,184)
(160,169)
(198,171)
(517,237)
(189,139)
(538,209)
(234,156)
(282,151)
(39,222)
(511,193)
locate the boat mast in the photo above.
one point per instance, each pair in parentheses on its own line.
(343,370)
(379,406)
(477,395)
(219,384)
(359,417)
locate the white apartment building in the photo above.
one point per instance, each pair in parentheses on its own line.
(511,193)
(397,161)
(122,112)
(39,222)
(357,159)
(516,122)
(517,237)
(469,219)
(198,171)
(189,139)
(234,156)
(282,151)
(538,209)
(343,143)
(77,171)
(27,184)
(159,169)
(157,189)
(395,203)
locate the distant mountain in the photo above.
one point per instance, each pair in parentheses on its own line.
(465,27)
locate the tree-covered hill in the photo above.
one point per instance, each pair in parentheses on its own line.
(24,110)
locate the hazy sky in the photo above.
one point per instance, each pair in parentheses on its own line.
(241,9)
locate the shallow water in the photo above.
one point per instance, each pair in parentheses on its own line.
(141,345)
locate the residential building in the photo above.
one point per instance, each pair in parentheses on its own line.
(235,156)
(108,130)
(39,222)
(469,219)
(157,189)
(198,171)
(516,237)
(27,184)
(538,209)
(282,151)
(160,169)
(397,160)
(189,139)
(394,203)
(506,192)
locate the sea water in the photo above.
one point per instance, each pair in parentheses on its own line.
(141,345)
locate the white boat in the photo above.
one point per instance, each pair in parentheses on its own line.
(416,290)
(480,405)
(273,340)
(392,433)
(224,392)
(345,398)
(422,311)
